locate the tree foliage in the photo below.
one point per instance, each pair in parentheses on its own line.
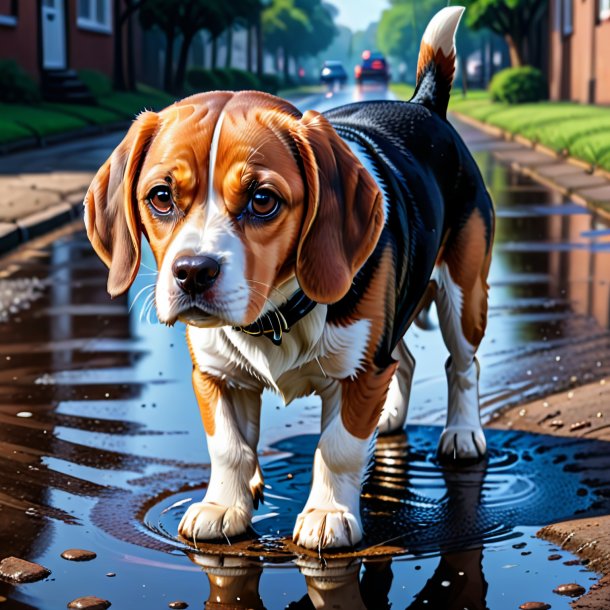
(297,28)
(511,19)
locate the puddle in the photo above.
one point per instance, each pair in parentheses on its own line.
(100,434)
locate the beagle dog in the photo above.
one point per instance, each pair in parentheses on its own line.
(297,249)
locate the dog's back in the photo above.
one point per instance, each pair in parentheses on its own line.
(431,183)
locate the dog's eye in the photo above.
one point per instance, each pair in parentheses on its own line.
(264,204)
(160,198)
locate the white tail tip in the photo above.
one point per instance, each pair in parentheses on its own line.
(440,33)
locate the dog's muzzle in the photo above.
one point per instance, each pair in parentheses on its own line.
(195,274)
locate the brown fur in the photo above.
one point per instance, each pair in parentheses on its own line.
(340,235)
(468,259)
(444,64)
(208,390)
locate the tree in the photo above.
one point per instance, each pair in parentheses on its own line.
(297,28)
(396,34)
(164,14)
(123,11)
(511,19)
(281,21)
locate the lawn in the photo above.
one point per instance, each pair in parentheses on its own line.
(23,121)
(579,130)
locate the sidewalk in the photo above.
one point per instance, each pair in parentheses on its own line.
(44,188)
(570,177)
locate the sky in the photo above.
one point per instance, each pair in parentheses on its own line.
(357,14)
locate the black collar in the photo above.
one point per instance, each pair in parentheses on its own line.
(280,320)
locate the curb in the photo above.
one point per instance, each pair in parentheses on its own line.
(13,234)
(594,205)
(38,142)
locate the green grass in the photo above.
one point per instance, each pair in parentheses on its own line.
(129,104)
(93,115)
(11,131)
(21,121)
(579,130)
(40,120)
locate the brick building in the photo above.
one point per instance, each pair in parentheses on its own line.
(57,34)
(579,62)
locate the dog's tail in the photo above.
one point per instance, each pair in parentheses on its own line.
(436,62)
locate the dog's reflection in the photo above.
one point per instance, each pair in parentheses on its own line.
(233,581)
(352,583)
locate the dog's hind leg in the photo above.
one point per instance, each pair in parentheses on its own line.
(461,300)
(231,420)
(395,409)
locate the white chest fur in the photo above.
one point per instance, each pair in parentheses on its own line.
(312,351)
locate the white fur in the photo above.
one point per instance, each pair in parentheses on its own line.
(463,435)
(227,507)
(212,195)
(331,516)
(396,406)
(440,32)
(210,233)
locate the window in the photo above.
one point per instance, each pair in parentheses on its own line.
(94,15)
(568,27)
(8,12)
(604,9)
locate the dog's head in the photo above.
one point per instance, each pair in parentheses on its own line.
(236,193)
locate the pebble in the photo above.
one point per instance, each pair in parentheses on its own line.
(179,605)
(534,606)
(78,555)
(554,557)
(572,589)
(90,602)
(20,570)
(579,425)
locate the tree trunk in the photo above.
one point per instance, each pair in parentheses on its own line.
(286,66)
(214,52)
(514,51)
(169,61)
(249,58)
(229,42)
(259,46)
(118,73)
(187,40)
(131,60)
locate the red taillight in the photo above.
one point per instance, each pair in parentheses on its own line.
(377,65)
(357,71)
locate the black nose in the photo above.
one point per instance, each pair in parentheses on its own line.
(195,274)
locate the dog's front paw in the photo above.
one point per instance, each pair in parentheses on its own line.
(321,529)
(462,443)
(208,521)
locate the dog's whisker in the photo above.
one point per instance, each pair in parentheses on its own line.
(139,293)
(269,286)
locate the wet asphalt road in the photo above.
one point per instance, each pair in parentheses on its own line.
(101,443)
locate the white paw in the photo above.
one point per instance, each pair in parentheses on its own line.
(207,521)
(462,443)
(321,529)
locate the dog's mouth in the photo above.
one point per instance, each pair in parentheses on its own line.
(196,316)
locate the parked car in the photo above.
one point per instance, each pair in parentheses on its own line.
(333,72)
(373,67)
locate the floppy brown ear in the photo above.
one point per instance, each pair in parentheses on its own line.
(344,215)
(111,216)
